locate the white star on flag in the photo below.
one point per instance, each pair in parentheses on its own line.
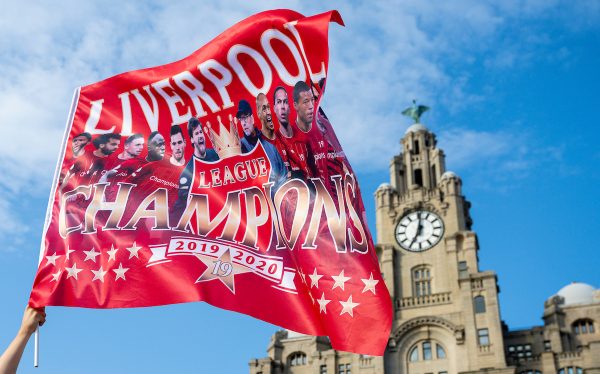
(340,280)
(323,303)
(73,271)
(99,274)
(112,253)
(91,254)
(314,279)
(348,306)
(120,272)
(370,284)
(69,251)
(133,250)
(56,275)
(52,259)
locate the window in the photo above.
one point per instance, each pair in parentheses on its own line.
(463,269)
(483,337)
(433,176)
(418,177)
(547,346)
(479,302)
(441,353)
(345,369)
(570,370)
(414,354)
(520,351)
(416,148)
(323,369)
(297,359)
(422,281)
(583,326)
(427,353)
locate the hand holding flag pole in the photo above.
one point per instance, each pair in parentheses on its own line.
(32,320)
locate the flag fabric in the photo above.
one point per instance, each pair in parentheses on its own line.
(217,178)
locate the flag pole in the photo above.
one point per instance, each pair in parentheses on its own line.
(36,350)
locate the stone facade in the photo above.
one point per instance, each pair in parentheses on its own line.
(446,310)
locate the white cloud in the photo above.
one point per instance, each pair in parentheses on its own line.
(465,147)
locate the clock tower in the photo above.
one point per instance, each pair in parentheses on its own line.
(446,311)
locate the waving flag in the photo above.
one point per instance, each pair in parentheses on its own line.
(217,178)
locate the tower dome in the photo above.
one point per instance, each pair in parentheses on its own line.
(416,127)
(577,293)
(385,186)
(450,174)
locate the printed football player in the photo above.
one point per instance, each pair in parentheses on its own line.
(251,138)
(78,155)
(282,111)
(106,145)
(263,110)
(79,142)
(185,179)
(304,104)
(156,147)
(301,154)
(199,141)
(177,146)
(134,145)
(124,165)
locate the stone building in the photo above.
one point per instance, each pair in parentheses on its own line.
(446,309)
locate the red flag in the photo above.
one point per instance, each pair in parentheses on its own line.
(217,178)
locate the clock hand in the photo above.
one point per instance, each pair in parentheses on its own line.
(419,227)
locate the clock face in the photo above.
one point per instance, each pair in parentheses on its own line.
(418,231)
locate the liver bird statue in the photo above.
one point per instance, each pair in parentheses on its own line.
(415,111)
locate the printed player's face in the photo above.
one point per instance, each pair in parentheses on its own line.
(264,113)
(135,147)
(110,147)
(247,124)
(282,107)
(198,139)
(305,107)
(156,147)
(79,142)
(177,146)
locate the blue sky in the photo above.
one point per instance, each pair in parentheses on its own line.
(514,95)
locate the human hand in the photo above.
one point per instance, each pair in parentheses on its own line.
(31,319)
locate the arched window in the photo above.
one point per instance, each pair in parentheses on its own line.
(570,370)
(424,351)
(297,359)
(441,353)
(421,281)
(583,326)
(479,303)
(414,354)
